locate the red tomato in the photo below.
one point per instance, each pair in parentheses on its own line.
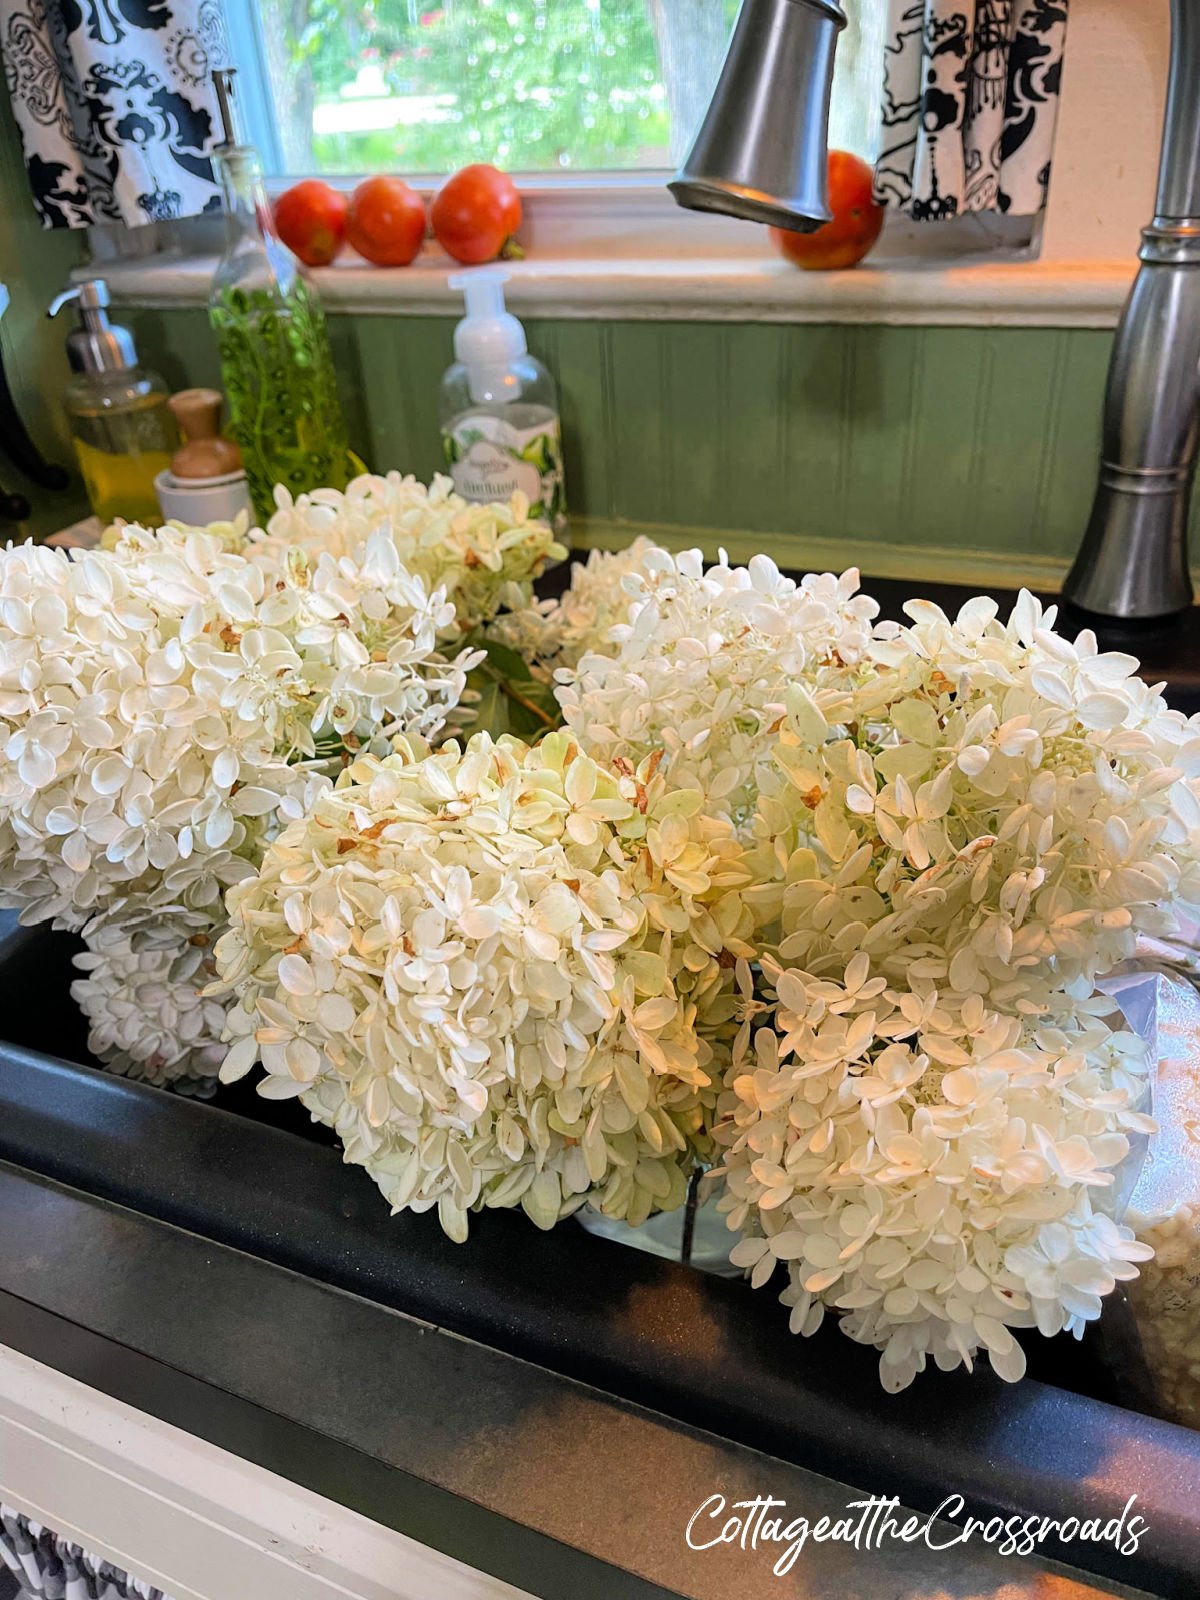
(475,215)
(386,223)
(311,219)
(856,220)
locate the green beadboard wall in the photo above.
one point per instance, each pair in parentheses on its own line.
(909,451)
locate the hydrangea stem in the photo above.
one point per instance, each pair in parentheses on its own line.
(506,687)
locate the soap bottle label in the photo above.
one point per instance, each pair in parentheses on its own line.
(490,459)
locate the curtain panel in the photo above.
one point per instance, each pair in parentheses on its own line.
(970,101)
(115,106)
(48,1567)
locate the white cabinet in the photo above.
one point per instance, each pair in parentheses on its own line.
(193,1519)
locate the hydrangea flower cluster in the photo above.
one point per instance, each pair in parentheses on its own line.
(165,704)
(701,662)
(143,996)
(149,701)
(930,1100)
(482,556)
(556,633)
(823,899)
(497,972)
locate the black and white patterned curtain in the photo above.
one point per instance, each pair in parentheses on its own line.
(970,101)
(115,105)
(49,1567)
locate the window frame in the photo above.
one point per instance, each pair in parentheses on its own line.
(605,244)
(628,215)
(243,24)
(623,214)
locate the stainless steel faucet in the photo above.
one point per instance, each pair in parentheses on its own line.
(1133,562)
(762,148)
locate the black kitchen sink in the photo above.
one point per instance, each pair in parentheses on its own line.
(258,1176)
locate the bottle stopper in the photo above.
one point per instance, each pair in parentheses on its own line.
(204,452)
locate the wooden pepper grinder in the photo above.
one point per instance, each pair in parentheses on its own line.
(204,453)
(205,483)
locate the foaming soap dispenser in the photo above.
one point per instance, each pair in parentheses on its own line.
(117,410)
(499,407)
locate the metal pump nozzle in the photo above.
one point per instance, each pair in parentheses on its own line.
(227,104)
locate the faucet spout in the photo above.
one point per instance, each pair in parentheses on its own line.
(761,151)
(1133,561)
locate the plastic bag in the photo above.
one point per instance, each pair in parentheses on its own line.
(1164,1207)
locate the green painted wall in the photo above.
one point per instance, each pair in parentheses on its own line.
(34,265)
(920,451)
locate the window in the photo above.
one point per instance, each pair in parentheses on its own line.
(536,86)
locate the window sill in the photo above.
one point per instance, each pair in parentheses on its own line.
(705,289)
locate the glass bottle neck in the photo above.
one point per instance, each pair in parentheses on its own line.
(247,209)
(255,257)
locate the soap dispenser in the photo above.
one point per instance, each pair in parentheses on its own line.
(499,407)
(117,409)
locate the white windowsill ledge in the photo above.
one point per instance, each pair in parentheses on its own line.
(717,289)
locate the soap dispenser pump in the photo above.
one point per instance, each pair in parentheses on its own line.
(499,407)
(120,424)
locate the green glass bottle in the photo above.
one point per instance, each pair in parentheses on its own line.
(276,364)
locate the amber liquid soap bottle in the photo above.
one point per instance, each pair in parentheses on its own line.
(120,423)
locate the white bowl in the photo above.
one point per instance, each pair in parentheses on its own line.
(200,500)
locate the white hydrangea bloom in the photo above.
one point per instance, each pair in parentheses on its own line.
(158,703)
(701,664)
(495,971)
(482,556)
(864,877)
(935,1207)
(234,533)
(142,995)
(556,633)
(966,831)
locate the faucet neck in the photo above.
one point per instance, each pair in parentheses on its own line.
(1173,238)
(1179,165)
(1133,562)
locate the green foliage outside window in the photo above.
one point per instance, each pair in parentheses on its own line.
(529,84)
